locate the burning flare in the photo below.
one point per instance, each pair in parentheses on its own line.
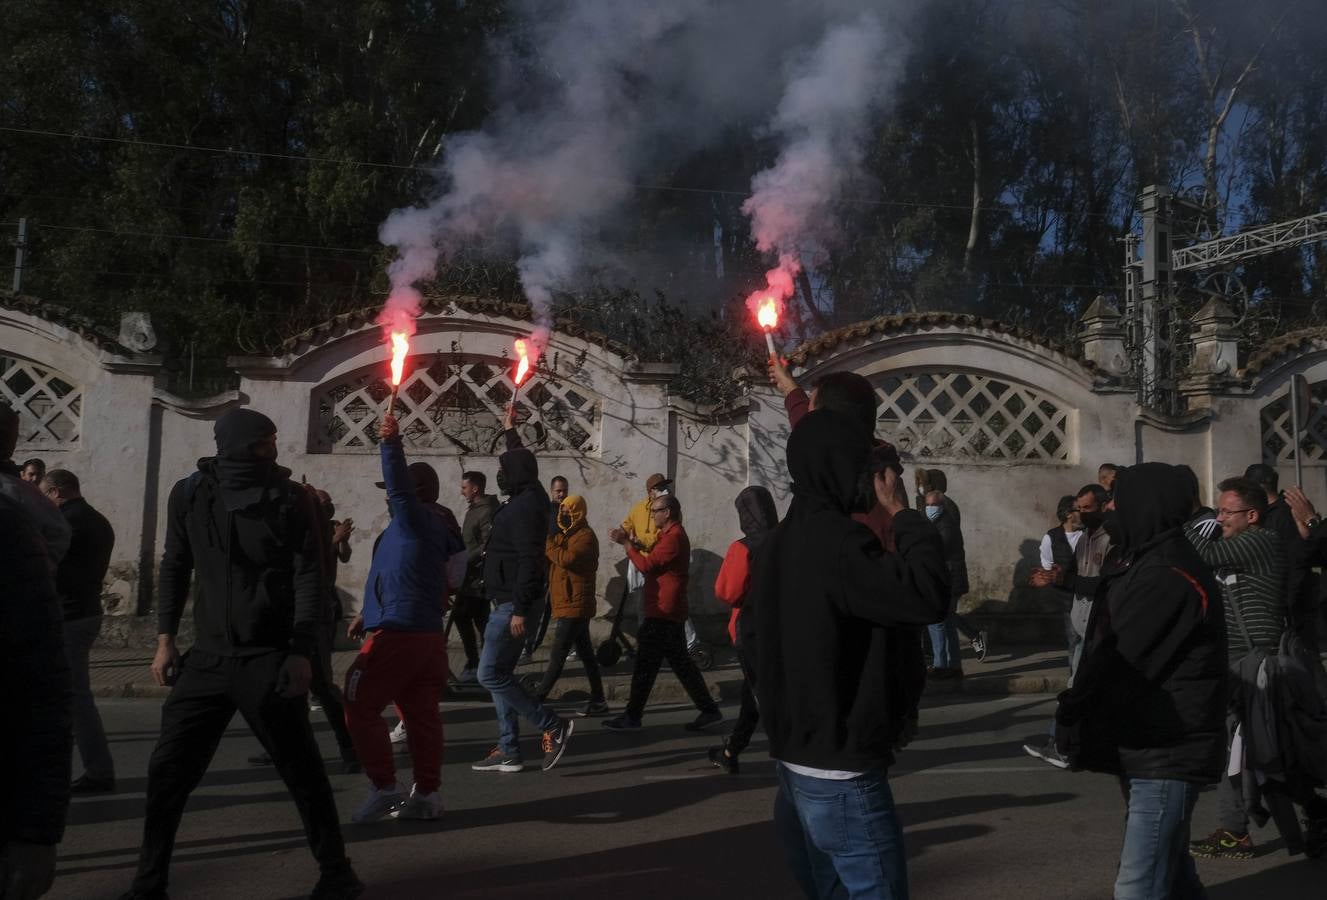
(400,347)
(523,367)
(768,314)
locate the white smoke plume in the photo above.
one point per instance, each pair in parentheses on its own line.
(592,98)
(822,123)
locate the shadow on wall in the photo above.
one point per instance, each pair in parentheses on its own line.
(1023,598)
(710,616)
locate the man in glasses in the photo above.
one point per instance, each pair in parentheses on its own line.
(662,633)
(1249,560)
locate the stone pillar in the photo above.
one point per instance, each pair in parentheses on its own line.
(1215,355)
(1102,336)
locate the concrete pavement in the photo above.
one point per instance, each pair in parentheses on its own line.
(643,815)
(123,672)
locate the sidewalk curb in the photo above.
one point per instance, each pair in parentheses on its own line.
(618,685)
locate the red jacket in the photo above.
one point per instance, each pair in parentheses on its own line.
(731,585)
(878,519)
(667,568)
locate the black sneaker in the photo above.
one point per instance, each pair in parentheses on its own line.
(594,708)
(1047,753)
(555,743)
(497,761)
(339,885)
(705,720)
(719,756)
(262,759)
(981,645)
(623,722)
(1221,844)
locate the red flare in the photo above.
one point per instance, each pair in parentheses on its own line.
(522,367)
(400,347)
(768,314)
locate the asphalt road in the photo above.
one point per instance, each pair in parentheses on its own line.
(643,816)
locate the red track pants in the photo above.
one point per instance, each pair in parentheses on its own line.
(410,669)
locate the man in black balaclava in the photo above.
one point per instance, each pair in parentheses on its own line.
(1148,701)
(251,537)
(514,571)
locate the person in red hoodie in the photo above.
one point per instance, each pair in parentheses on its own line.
(757,516)
(662,635)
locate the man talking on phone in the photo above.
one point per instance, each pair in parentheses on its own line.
(250,536)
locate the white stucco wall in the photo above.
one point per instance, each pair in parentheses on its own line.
(136,442)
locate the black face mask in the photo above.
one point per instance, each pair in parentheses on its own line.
(1092,520)
(502,481)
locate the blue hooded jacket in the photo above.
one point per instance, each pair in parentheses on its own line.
(407,583)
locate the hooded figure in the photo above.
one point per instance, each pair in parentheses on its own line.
(1149,697)
(826,597)
(250,538)
(514,565)
(243,469)
(573,556)
(757,517)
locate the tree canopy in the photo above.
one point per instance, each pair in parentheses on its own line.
(225,165)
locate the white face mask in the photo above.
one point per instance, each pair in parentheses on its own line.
(933,512)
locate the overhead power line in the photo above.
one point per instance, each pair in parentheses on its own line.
(295,157)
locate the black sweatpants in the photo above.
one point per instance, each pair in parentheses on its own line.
(566,634)
(325,690)
(470,618)
(657,640)
(205,698)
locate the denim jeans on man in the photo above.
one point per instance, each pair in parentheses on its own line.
(842,838)
(944,644)
(1154,862)
(80,634)
(497,662)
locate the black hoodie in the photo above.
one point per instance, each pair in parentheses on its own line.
(1149,697)
(827,600)
(514,563)
(250,539)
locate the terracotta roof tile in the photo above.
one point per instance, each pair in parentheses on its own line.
(1284,345)
(436,303)
(905,324)
(80,325)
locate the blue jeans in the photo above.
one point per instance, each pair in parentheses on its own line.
(1155,863)
(944,644)
(843,839)
(497,662)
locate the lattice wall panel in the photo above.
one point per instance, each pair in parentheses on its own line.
(962,415)
(1276,427)
(49,404)
(454,404)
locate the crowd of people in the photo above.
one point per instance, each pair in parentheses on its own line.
(1191,637)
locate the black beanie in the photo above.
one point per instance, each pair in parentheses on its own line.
(238,430)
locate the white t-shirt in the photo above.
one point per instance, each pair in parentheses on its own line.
(1047,558)
(827,774)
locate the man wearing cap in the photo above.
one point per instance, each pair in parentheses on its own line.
(404,658)
(250,535)
(642,534)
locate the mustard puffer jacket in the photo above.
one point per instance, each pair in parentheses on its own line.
(573,556)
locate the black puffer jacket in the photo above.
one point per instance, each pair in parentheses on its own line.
(825,604)
(514,563)
(1149,698)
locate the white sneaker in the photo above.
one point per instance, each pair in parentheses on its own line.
(425,807)
(398,733)
(468,676)
(377,805)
